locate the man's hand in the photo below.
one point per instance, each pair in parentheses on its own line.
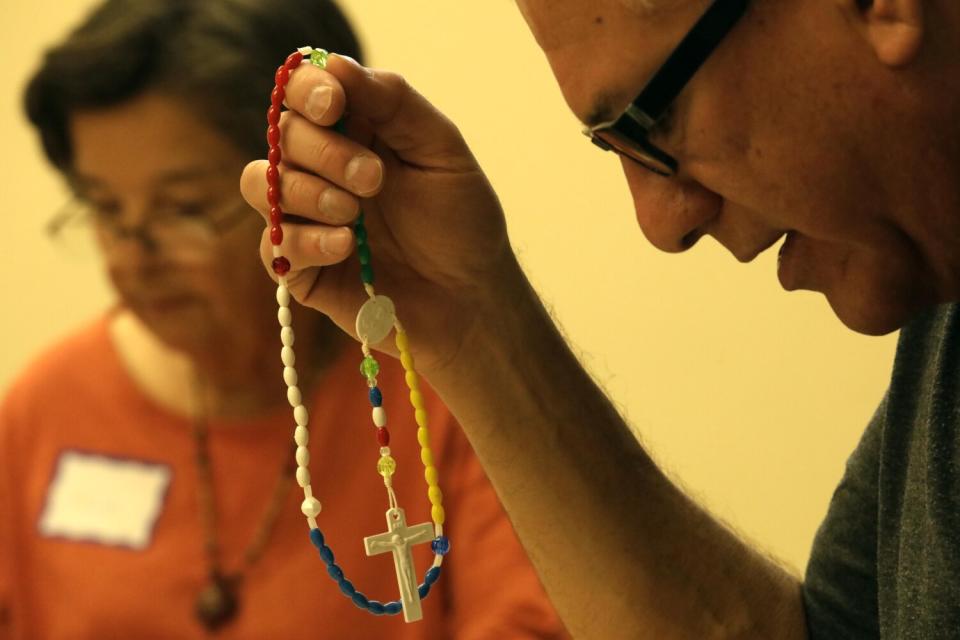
(436,229)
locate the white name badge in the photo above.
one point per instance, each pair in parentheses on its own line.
(112,501)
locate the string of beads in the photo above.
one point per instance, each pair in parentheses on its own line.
(374,322)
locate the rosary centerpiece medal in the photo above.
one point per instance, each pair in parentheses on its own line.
(375,321)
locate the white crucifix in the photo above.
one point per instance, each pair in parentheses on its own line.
(399,539)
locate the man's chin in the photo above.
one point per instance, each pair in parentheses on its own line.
(875,317)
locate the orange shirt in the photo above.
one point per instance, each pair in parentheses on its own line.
(78,397)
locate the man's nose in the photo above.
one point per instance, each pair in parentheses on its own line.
(673,212)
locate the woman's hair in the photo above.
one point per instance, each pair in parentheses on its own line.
(218,56)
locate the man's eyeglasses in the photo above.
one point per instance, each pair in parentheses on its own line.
(628,134)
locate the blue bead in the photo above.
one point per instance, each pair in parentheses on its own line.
(360,600)
(392,608)
(327,554)
(440,545)
(376,608)
(347,587)
(376,397)
(316,537)
(432,575)
(335,572)
(423,589)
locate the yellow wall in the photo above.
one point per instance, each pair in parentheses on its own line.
(753,398)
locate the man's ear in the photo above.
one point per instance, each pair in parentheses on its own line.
(892,28)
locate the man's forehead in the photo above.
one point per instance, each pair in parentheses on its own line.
(554,22)
(602,52)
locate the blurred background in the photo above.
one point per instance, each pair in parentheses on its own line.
(751,398)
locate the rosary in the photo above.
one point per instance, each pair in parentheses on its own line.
(377,317)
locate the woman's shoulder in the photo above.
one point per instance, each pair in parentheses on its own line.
(80,358)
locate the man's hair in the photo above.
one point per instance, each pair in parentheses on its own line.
(218,56)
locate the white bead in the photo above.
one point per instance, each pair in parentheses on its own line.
(303,476)
(289,374)
(283,296)
(384,451)
(379,416)
(276,251)
(294,397)
(300,415)
(310,507)
(301,436)
(303,456)
(286,336)
(288,356)
(285,316)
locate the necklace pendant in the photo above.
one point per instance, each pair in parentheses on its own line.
(217,604)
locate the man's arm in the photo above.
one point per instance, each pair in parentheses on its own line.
(621,551)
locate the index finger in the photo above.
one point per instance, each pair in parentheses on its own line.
(316,94)
(400,117)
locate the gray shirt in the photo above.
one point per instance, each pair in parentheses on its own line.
(886,560)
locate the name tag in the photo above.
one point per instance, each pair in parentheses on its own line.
(111,501)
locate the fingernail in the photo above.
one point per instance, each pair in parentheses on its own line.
(335,242)
(337,205)
(363,174)
(318,102)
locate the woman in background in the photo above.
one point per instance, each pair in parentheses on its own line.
(146,482)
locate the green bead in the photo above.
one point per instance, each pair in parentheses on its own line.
(369,367)
(318,58)
(386,466)
(363,251)
(360,232)
(366,274)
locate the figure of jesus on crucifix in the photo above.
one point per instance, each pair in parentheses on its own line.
(399,539)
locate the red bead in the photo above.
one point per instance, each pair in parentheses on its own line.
(273,135)
(277,96)
(276,216)
(282,75)
(276,235)
(281,266)
(294,59)
(273,156)
(273,115)
(383,436)
(273,176)
(273,196)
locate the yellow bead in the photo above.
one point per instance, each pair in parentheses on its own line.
(386,466)
(416,399)
(436,496)
(423,436)
(402,343)
(421,417)
(427,457)
(437,513)
(430,475)
(406,360)
(413,380)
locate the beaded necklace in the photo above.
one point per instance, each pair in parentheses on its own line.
(219,601)
(375,320)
